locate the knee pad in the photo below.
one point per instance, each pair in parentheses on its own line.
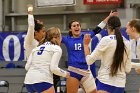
(88,82)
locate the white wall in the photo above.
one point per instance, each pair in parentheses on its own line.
(88,20)
(127,13)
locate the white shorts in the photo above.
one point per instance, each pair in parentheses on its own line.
(88,83)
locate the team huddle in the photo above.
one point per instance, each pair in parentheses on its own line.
(43,51)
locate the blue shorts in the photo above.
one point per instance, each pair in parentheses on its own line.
(109,88)
(75,75)
(38,87)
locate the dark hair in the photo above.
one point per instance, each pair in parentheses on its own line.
(115,24)
(135,23)
(38,26)
(70,23)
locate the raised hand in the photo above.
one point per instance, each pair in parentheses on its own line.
(113,13)
(87,39)
(137,70)
(30,8)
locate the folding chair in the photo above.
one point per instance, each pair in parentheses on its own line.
(61,86)
(4,83)
(23,89)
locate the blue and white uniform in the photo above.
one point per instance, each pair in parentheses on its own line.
(42,63)
(106,49)
(75,48)
(77,65)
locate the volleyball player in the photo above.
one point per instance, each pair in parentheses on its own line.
(133,30)
(77,66)
(43,62)
(115,58)
(35,34)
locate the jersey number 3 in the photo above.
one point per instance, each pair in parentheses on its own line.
(40,51)
(78,46)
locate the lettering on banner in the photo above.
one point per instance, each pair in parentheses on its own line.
(6,50)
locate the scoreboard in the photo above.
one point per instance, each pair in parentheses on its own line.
(102,1)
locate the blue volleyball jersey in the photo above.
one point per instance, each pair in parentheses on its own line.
(75,49)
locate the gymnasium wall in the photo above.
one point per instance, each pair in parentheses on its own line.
(88,15)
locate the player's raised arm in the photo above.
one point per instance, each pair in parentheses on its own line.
(103,23)
(30,33)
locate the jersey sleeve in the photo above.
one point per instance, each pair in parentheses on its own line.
(64,40)
(55,61)
(138,48)
(30,33)
(29,61)
(128,64)
(99,27)
(101,47)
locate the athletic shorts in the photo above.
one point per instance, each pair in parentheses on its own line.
(38,87)
(109,88)
(75,75)
(85,77)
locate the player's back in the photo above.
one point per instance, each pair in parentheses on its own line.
(39,62)
(43,54)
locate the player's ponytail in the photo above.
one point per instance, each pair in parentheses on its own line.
(115,24)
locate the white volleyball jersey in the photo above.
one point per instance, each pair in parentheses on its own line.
(42,63)
(138,48)
(106,49)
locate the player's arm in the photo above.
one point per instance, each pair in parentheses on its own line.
(128,63)
(103,23)
(137,70)
(135,65)
(29,61)
(54,64)
(30,33)
(98,51)
(87,39)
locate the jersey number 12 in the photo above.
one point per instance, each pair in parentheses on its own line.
(78,46)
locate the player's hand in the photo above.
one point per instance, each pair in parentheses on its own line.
(137,70)
(113,13)
(30,8)
(68,75)
(87,39)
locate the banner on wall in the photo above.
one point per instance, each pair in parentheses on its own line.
(102,1)
(11,46)
(50,3)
